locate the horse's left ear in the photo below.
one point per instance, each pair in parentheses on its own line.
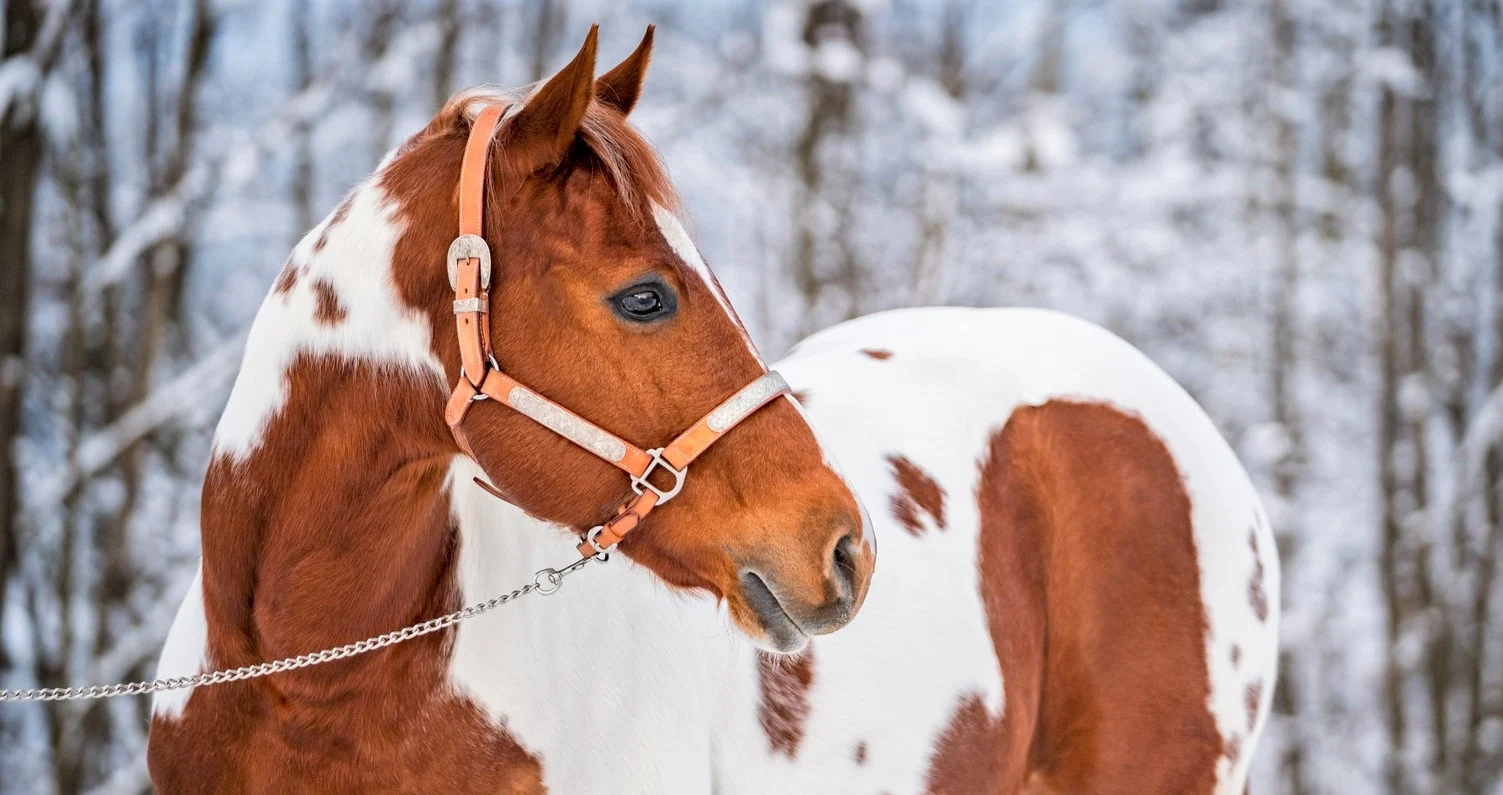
(541,133)
(620,87)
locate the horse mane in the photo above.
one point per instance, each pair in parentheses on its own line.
(611,145)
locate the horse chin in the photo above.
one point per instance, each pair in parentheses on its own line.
(779,639)
(762,618)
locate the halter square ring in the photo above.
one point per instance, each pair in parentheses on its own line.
(640,483)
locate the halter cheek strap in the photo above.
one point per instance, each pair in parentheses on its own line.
(481,378)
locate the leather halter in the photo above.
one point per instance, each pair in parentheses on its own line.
(480,377)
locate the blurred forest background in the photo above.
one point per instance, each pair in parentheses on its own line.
(1295,206)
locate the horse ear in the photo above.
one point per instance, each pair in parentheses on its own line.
(542,131)
(620,87)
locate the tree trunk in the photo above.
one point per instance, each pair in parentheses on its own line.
(1284,362)
(1483,25)
(446,57)
(1391,426)
(302,76)
(548,25)
(1428,211)
(383,22)
(830,102)
(20,156)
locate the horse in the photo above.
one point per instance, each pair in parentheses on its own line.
(1078,589)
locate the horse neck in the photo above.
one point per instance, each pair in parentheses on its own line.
(325,516)
(613,643)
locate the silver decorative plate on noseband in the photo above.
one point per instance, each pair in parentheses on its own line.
(745,402)
(565,424)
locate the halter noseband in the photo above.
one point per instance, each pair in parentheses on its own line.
(480,377)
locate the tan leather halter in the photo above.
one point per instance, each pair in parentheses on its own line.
(469,263)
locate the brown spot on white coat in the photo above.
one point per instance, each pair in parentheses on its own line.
(329,310)
(785,681)
(918,492)
(1253,699)
(334,220)
(1257,594)
(287,279)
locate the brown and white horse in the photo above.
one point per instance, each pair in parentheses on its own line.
(1078,591)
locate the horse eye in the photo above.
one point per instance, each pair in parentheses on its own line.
(643,303)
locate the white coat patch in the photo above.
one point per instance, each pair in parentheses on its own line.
(186,650)
(377,327)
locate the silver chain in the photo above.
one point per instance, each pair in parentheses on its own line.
(544,582)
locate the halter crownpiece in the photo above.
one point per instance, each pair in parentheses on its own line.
(481,378)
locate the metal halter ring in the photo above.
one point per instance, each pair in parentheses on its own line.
(641,483)
(602,554)
(547,581)
(479,396)
(469,247)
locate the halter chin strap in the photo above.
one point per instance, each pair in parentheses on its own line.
(481,378)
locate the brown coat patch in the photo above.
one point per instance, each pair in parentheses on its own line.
(287,279)
(1257,596)
(335,219)
(785,682)
(917,492)
(279,560)
(1090,581)
(970,757)
(330,311)
(879,354)
(861,753)
(1254,699)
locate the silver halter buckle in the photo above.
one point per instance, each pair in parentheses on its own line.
(469,247)
(640,483)
(602,554)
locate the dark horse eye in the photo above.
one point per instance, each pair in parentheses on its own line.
(644,303)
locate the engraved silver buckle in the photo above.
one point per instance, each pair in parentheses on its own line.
(640,484)
(469,247)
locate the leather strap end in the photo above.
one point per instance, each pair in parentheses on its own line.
(463,441)
(628,518)
(459,402)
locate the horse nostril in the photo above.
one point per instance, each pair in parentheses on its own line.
(843,565)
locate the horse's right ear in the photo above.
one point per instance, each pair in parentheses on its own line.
(620,87)
(540,134)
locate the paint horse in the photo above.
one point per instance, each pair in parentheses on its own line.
(1078,590)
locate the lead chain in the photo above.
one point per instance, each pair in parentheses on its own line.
(544,582)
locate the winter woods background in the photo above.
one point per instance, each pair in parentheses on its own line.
(1296,206)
